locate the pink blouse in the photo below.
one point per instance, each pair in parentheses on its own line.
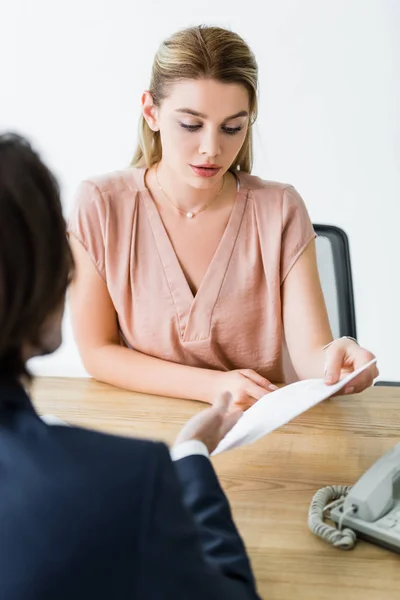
(234,321)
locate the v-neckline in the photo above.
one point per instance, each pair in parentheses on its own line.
(194,311)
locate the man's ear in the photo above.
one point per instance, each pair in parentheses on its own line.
(149,110)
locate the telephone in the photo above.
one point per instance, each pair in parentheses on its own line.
(370,509)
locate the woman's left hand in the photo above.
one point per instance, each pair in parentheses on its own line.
(344,356)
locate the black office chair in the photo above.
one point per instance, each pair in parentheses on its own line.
(334,268)
(333,257)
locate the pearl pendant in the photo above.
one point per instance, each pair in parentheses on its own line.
(189,215)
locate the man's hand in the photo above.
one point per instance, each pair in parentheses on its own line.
(211,425)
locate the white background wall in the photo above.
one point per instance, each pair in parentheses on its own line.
(72,75)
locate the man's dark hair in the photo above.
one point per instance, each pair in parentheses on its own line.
(35,258)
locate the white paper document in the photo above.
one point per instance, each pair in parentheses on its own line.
(277,408)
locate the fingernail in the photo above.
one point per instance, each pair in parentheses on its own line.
(325,369)
(328,378)
(272,387)
(350,390)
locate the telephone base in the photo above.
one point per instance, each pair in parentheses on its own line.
(384,532)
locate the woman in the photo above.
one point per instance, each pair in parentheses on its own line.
(193,274)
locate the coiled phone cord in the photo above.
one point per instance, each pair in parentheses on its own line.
(322,501)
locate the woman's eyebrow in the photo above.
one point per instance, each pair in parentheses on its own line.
(194,113)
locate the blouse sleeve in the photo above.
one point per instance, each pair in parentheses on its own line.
(87,223)
(297,230)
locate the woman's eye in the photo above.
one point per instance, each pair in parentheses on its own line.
(228,130)
(232,130)
(190,127)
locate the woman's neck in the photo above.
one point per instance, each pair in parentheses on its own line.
(180,193)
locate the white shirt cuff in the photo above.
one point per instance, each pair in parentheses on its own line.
(188,449)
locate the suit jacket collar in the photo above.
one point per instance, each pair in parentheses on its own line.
(14,397)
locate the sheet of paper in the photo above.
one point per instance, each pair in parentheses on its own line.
(277,408)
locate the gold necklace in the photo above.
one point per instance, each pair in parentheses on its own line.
(189,214)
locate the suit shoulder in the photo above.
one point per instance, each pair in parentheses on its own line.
(96,444)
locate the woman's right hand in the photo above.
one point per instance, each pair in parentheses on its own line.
(246,387)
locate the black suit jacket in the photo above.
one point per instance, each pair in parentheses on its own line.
(86,516)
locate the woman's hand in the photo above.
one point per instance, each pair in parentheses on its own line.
(345,356)
(245,386)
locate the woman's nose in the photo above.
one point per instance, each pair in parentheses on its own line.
(209,144)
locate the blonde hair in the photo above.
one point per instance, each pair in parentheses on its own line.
(198,53)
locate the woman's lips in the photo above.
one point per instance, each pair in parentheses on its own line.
(205,171)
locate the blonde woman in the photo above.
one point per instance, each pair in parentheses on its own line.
(191,272)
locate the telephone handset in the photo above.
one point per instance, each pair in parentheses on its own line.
(370,509)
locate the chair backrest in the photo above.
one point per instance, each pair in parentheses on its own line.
(334,268)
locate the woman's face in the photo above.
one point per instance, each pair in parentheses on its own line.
(202,124)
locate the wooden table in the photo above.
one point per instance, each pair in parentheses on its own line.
(270,484)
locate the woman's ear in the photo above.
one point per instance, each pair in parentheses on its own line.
(149,110)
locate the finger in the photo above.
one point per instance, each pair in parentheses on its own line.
(223,401)
(357,386)
(362,357)
(230,419)
(359,382)
(364,380)
(243,403)
(334,361)
(258,379)
(255,391)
